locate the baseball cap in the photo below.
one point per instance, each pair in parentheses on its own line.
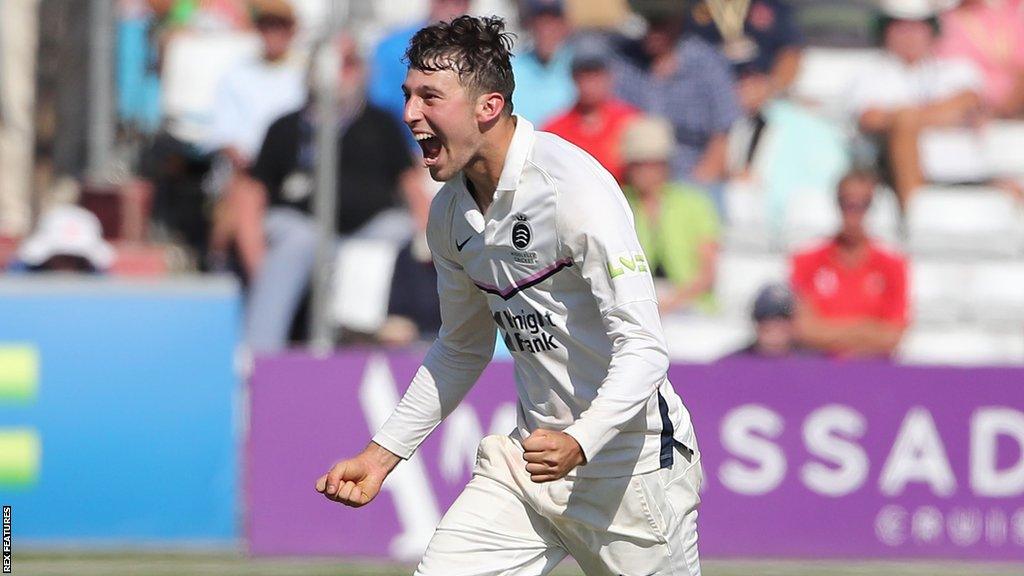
(648,139)
(538,7)
(280,9)
(67,231)
(590,53)
(773,301)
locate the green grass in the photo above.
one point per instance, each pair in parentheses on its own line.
(75,563)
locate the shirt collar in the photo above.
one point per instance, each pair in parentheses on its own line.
(833,254)
(518,153)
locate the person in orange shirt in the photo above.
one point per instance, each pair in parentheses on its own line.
(851,293)
(597,120)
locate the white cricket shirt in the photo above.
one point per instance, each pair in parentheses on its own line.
(556,267)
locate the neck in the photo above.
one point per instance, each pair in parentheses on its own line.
(851,245)
(485,169)
(649,193)
(913,60)
(910,61)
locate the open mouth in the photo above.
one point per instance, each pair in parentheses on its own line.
(430,145)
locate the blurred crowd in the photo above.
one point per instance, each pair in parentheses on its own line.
(694,106)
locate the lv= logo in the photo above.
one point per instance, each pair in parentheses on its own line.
(627,264)
(20,447)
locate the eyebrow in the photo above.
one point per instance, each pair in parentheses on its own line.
(423,89)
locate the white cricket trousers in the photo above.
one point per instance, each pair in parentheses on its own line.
(504,524)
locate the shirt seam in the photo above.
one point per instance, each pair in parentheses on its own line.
(559,247)
(618,306)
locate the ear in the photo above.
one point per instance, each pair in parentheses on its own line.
(489,106)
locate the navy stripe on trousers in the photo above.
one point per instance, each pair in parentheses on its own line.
(667,433)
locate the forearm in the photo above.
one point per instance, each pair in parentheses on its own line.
(638,366)
(875,338)
(861,338)
(438,387)
(950,111)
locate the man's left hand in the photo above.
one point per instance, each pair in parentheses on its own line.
(550,455)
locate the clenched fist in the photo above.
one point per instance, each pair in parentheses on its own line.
(551,455)
(356,481)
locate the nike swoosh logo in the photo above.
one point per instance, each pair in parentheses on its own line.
(461,245)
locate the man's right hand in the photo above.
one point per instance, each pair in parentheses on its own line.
(356,481)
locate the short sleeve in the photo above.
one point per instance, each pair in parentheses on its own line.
(960,75)
(875,86)
(895,305)
(269,166)
(787,30)
(800,275)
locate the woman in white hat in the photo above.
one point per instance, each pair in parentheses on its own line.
(677,224)
(67,239)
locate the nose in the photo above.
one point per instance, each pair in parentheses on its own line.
(412,112)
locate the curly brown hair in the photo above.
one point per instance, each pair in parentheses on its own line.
(479,50)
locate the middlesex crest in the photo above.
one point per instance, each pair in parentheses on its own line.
(522,238)
(522,233)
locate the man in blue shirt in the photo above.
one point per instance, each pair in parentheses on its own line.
(687,81)
(544,85)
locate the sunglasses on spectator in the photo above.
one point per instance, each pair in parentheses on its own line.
(850,206)
(272,22)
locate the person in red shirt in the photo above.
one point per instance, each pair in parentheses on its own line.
(596,121)
(851,293)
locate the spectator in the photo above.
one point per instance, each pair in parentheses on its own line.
(597,119)
(270,216)
(138,74)
(387,71)
(543,73)
(909,89)
(991,34)
(687,81)
(851,293)
(202,152)
(255,93)
(772,314)
(676,224)
(68,239)
(763,43)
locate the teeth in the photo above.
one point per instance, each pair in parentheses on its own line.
(422,136)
